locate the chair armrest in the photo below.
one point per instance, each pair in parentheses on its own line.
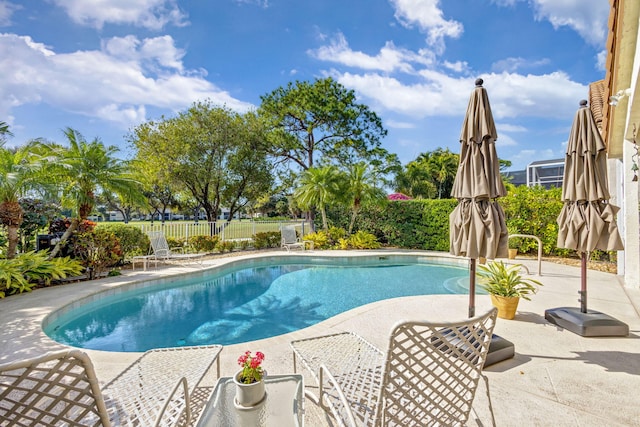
(174,406)
(336,401)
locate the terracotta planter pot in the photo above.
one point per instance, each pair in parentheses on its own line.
(506,306)
(513,253)
(248,395)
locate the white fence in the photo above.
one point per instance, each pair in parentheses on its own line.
(234,230)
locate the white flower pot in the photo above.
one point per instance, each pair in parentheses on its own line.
(248,395)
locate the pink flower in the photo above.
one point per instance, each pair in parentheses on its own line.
(251,370)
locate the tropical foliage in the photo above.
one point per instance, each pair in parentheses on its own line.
(429,176)
(80,171)
(18,172)
(506,281)
(31,269)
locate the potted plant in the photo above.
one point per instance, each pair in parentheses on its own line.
(249,380)
(506,286)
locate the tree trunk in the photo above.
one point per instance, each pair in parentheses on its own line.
(72,227)
(12,240)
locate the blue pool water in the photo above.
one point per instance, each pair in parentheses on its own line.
(240,304)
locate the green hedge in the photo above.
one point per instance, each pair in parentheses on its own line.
(424,224)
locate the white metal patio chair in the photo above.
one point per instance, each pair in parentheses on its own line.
(291,240)
(61,389)
(162,251)
(428,377)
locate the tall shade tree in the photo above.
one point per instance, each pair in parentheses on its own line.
(322,119)
(216,154)
(319,187)
(18,175)
(81,170)
(361,188)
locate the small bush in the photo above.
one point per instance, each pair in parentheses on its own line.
(268,239)
(97,250)
(363,240)
(204,243)
(320,239)
(225,246)
(243,244)
(132,240)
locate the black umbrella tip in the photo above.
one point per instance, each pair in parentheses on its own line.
(479,82)
(583,103)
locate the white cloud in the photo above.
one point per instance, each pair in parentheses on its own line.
(587,17)
(601,60)
(155,53)
(390,58)
(510,128)
(511,95)
(428,16)
(6,10)
(395,124)
(504,140)
(117,83)
(514,64)
(151,14)
(458,66)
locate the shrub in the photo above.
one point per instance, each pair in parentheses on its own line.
(534,211)
(363,240)
(267,239)
(204,243)
(98,250)
(30,269)
(225,246)
(132,240)
(320,239)
(244,244)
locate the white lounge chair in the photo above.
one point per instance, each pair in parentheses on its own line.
(291,240)
(61,389)
(162,251)
(429,375)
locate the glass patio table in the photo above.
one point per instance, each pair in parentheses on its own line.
(282,406)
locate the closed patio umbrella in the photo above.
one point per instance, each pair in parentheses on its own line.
(587,221)
(477,226)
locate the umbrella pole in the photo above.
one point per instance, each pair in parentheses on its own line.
(472,287)
(583,283)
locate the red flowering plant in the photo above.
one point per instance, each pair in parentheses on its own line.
(252,372)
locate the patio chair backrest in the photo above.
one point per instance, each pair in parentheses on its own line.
(289,235)
(159,244)
(55,389)
(439,362)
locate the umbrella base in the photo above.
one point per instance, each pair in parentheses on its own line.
(589,324)
(499,350)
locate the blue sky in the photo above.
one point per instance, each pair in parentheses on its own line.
(104,66)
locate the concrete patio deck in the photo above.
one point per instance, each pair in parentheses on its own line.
(557,378)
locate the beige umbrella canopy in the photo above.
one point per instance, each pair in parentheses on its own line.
(587,220)
(477,226)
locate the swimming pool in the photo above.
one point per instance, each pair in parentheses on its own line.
(246,301)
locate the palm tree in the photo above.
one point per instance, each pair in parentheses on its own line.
(4,131)
(318,187)
(17,175)
(83,169)
(361,188)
